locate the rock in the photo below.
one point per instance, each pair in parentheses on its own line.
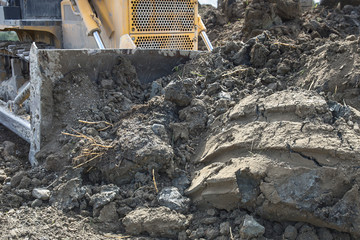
(141,150)
(212,233)
(36,203)
(25,182)
(24,193)
(288,9)
(124,210)
(307,235)
(211,212)
(68,195)
(324,234)
(351,38)
(41,193)
(16,179)
(159,130)
(106,195)
(35,182)
(213,88)
(225,228)
(195,116)
(157,222)
(258,55)
(156,89)
(2,176)
(181,183)
(180,92)
(290,233)
(251,228)
(107,84)
(283,69)
(171,197)
(259,17)
(92,131)
(108,213)
(180,131)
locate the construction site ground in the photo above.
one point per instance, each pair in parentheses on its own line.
(259,139)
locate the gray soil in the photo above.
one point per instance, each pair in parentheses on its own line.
(257,140)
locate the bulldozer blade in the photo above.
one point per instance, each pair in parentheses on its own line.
(49,66)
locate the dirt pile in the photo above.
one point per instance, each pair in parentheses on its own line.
(258,139)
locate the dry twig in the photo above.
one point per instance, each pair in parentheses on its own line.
(94,148)
(154,180)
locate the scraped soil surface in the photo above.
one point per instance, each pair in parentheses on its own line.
(257,140)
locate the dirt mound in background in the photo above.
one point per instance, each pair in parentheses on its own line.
(266,125)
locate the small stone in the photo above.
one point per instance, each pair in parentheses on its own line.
(107,83)
(16,179)
(2,176)
(180,92)
(106,195)
(225,228)
(92,132)
(159,129)
(351,38)
(108,213)
(181,183)
(251,228)
(283,69)
(211,212)
(211,233)
(290,233)
(36,203)
(25,182)
(324,234)
(307,235)
(35,182)
(306,228)
(156,89)
(122,211)
(171,197)
(278,229)
(41,193)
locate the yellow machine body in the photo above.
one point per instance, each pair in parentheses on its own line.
(148,24)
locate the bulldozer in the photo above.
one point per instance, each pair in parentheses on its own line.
(60,36)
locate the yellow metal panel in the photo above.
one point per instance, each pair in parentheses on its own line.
(164,24)
(184,41)
(150,16)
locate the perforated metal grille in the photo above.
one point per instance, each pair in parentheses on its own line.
(181,41)
(162,15)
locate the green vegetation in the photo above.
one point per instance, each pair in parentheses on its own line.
(8,36)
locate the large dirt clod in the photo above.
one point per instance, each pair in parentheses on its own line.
(156,222)
(280,156)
